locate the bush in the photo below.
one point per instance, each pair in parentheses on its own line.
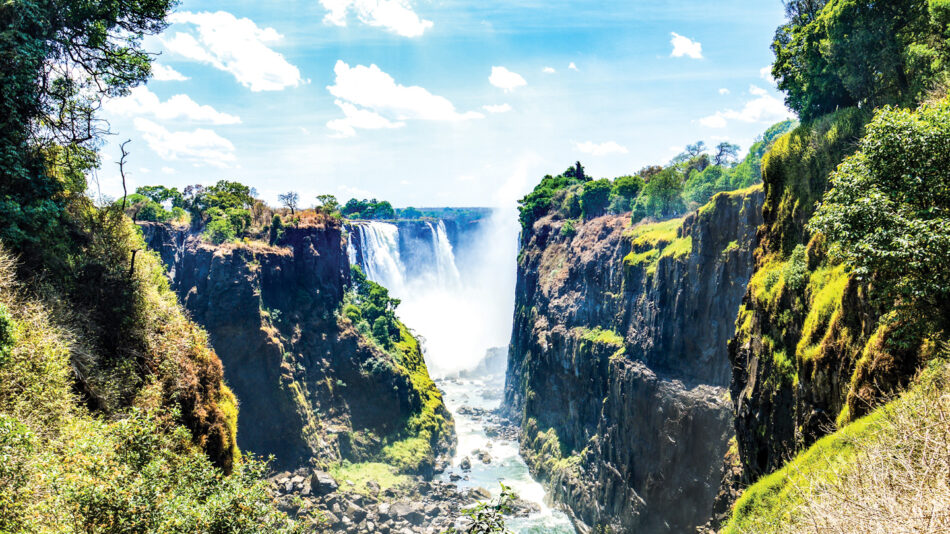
(888,211)
(595,197)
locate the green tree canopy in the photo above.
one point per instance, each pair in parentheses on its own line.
(888,211)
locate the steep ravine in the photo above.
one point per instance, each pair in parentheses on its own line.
(309,385)
(618,366)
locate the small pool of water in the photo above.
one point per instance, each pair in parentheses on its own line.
(506,464)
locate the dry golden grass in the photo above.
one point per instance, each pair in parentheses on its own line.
(898,480)
(888,473)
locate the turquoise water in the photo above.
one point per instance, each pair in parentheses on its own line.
(506,464)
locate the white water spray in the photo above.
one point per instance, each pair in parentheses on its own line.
(459,299)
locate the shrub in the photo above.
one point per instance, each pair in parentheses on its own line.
(595,197)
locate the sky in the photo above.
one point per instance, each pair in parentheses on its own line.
(439,102)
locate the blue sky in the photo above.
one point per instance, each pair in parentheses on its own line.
(429,102)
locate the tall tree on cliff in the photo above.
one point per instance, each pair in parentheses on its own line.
(59,59)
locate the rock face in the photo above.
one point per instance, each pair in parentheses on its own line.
(618,364)
(308,384)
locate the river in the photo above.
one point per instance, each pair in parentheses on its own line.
(460,305)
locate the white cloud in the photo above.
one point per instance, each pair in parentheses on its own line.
(601,149)
(237,46)
(765,108)
(766,74)
(142,102)
(163,73)
(684,46)
(396,16)
(364,119)
(200,146)
(724,91)
(572,66)
(168,170)
(371,99)
(548,70)
(505,79)
(501,108)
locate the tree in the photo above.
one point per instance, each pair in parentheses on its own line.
(888,211)
(595,198)
(726,153)
(290,200)
(328,203)
(695,149)
(663,194)
(59,59)
(859,53)
(627,186)
(576,172)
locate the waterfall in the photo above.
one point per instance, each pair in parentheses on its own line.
(379,243)
(458,317)
(447,272)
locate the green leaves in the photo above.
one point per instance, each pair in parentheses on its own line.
(888,212)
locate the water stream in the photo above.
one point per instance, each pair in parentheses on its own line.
(461,309)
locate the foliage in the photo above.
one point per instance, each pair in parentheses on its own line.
(60,58)
(63,468)
(276,230)
(368,209)
(595,197)
(537,203)
(888,211)
(375,310)
(662,196)
(329,205)
(855,53)
(489,517)
(568,230)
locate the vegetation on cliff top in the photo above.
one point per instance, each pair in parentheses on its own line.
(689,181)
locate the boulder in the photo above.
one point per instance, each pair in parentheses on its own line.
(321,483)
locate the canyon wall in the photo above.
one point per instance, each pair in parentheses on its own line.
(310,386)
(618,365)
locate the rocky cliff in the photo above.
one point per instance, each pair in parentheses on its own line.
(618,364)
(309,384)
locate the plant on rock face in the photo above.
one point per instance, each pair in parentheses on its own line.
(488,517)
(888,212)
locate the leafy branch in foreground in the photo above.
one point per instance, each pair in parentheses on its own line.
(488,517)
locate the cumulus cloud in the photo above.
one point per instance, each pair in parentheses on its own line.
(505,79)
(572,66)
(502,108)
(396,16)
(724,91)
(765,108)
(200,147)
(163,73)
(600,149)
(686,47)
(371,99)
(766,74)
(141,101)
(234,45)
(548,70)
(354,117)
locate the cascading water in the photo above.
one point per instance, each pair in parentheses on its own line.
(460,318)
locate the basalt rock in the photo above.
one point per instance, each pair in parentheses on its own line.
(618,366)
(309,386)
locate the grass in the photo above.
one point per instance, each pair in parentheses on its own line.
(884,473)
(826,288)
(356,477)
